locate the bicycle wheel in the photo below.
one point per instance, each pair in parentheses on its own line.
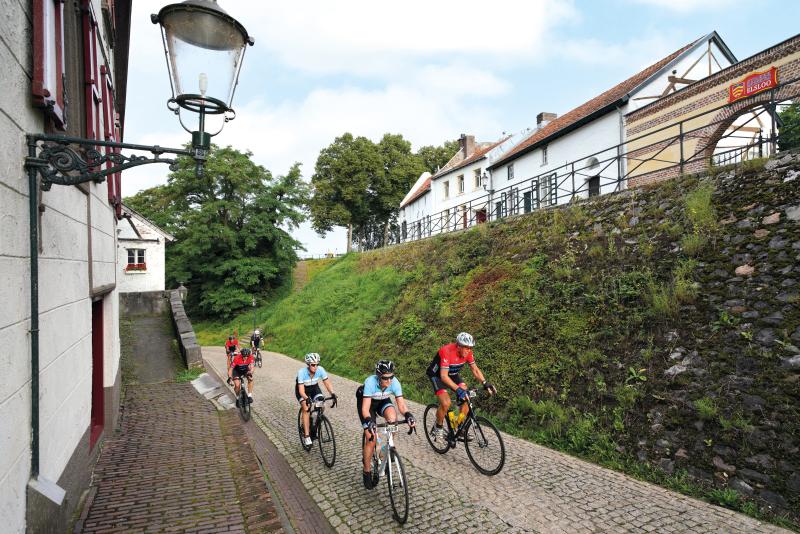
(439,444)
(301,431)
(326,440)
(398,487)
(484,446)
(244,403)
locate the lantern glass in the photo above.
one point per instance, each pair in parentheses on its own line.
(205,47)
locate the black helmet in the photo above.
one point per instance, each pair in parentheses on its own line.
(245,352)
(230,338)
(384,367)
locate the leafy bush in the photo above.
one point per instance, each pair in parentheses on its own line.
(411,328)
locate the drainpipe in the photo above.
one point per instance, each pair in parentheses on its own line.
(33,195)
(41,485)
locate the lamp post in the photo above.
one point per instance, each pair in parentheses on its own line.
(204,47)
(254,313)
(182,292)
(486,182)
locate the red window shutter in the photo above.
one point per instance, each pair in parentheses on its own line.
(91,63)
(49,67)
(108,130)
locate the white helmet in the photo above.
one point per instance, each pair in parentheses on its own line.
(312,357)
(465,340)
(257,332)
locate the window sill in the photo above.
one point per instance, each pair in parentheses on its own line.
(135,272)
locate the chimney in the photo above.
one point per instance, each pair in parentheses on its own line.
(467,144)
(544,118)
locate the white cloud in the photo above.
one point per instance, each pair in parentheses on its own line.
(638,53)
(685,6)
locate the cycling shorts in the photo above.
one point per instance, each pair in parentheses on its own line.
(239,372)
(439,386)
(311,391)
(376,407)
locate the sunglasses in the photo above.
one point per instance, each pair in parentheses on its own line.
(313,364)
(387,377)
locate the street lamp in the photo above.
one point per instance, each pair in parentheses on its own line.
(182,292)
(254,313)
(204,47)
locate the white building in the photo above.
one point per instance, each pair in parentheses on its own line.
(454,197)
(141,250)
(575,155)
(64,72)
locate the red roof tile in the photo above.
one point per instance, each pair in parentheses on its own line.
(424,188)
(599,102)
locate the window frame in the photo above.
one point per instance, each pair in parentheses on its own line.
(544,155)
(510,172)
(446,189)
(49,63)
(461,184)
(139,258)
(478,177)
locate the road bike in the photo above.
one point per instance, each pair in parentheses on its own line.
(243,401)
(386,460)
(257,356)
(320,430)
(481,438)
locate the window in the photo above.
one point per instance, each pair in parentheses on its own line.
(460,184)
(136,260)
(477,178)
(548,190)
(510,171)
(446,188)
(49,66)
(527,204)
(91,78)
(544,155)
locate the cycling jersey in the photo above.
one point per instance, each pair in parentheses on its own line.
(305,378)
(241,364)
(255,341)
(230,346)
(447,358)
(373,389)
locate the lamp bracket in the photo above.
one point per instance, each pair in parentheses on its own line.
(59,162)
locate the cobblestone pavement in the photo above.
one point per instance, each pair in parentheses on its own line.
(177,465)
(538,490)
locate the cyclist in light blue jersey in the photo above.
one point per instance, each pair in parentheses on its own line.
(306,387)
(373,399)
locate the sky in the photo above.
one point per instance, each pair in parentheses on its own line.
(429,70)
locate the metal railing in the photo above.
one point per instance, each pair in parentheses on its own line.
(609,170)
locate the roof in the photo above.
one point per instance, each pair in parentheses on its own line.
(480,153)
(135,214)
(600,104)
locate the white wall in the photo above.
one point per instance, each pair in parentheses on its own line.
(73,226)
(150,280)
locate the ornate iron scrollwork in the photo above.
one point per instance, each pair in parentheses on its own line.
(58,162)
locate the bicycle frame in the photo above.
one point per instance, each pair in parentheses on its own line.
(454,435)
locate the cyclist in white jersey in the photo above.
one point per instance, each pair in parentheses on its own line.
(306,387)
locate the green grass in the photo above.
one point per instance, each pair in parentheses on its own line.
(706,408)
(187,375)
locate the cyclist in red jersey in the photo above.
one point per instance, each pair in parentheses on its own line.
(445,374)
(231,346)
(242,366)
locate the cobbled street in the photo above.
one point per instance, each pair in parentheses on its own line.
(538,490)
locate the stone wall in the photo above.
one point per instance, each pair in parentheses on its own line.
(187,342)
(143,303)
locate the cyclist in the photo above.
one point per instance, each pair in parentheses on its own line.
(242,366)
(444,373)
(306,387)
(372,399)
(255,340)
(231,346)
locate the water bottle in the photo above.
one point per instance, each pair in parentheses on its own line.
(460,418)
(452,416)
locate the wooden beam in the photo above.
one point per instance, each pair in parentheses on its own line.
(675,79)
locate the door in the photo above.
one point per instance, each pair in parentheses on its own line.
(98,408)
(594,186)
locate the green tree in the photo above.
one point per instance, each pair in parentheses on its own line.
(344,177)
(435,157)
(790,130)
(230,227)
(156,205)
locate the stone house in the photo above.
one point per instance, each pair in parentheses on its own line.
(65,71)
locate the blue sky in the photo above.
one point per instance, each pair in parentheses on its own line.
(428,70)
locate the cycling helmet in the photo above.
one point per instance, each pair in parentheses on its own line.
(257,332)
(230,338)
(245,352)
(465,340)
(384,367)
(312,357)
